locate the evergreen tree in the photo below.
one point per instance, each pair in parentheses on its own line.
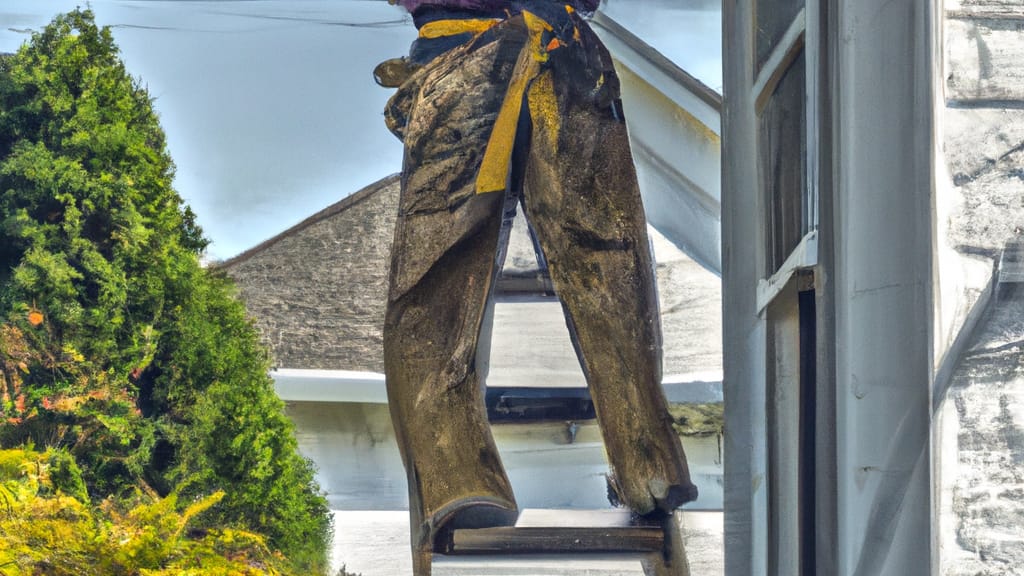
(115,344)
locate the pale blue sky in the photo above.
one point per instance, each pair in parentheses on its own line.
(270,107)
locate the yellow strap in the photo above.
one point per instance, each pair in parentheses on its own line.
(498,155)
(454,27)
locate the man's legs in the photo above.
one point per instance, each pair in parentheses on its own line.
(442,268)
(582,197)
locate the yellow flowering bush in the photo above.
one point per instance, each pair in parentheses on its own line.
(43,530)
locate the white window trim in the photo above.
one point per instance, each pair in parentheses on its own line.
(779,60)
(805,255)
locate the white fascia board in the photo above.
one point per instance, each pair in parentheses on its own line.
(298,385)
(658,71)
(693,388)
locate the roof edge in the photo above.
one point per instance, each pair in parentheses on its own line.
(339,206)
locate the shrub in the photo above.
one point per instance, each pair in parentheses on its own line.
(44,530)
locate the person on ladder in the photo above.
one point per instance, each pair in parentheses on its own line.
(502,102)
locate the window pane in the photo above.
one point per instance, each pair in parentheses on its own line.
(771,20)
(782,155)
(687,32)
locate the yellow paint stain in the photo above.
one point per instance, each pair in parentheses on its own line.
(542,104)
(680,114)
(495,164)
(537,26)
(684,117)
(544,108)
(442,28)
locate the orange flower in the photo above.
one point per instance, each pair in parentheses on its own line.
(35,317)
(19,403)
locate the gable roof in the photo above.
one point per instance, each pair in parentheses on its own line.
(316,291)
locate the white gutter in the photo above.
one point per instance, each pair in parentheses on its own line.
(346,386)
(693,388)
(295,385)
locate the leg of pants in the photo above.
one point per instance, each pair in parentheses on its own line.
(443,261)
(582,197)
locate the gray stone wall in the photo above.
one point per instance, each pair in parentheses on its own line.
(984,121)
(987,480)
(317,291)
(982,449)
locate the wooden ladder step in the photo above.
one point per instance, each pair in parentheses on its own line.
(568,531)
(514,540)
(657,542)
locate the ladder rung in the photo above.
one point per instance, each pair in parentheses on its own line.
(543,540)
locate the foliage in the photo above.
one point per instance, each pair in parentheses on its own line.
(44,530)
(53,397)
(226,424)
(115,344)
(697,419)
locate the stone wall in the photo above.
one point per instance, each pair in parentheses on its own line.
(982,417)
(984,120)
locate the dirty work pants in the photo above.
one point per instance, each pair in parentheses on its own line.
(579,192)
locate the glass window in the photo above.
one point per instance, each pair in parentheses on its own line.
(771,20)
(782,156)
(687,32)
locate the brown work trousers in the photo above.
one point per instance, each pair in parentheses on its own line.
(579,191)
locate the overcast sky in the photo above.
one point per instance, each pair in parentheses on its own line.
(270,108)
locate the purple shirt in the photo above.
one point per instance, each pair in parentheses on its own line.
(485,5)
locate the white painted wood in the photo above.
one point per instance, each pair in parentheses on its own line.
(778,61)
(745,496)
(300,385)
(884,311)
(674,124)
(374,543)
(340,386)
(687,93)
(804,256)
(783,321)
(358,464)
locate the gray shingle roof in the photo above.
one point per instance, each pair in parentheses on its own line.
(316,291)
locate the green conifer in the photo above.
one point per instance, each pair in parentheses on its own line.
(114,342)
